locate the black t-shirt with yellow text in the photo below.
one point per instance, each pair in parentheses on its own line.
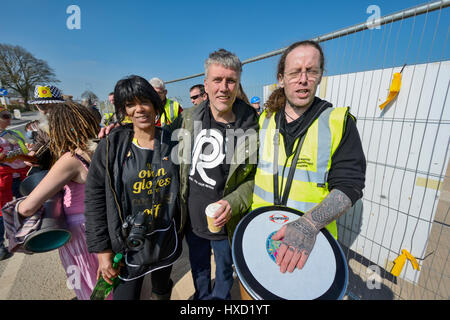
(147,189)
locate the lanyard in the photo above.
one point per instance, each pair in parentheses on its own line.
(276,190)
(276,141)
(156,163)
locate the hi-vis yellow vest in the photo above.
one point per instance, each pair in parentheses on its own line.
(20,139)
(108,117)
(309,185)
(171,110)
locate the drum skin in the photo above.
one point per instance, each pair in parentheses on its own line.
(324,276)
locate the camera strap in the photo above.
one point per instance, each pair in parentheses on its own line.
(156,163)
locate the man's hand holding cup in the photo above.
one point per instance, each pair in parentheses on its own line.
(217,215)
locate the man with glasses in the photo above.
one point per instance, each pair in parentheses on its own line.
(198,94)
(309,148)
(172,108)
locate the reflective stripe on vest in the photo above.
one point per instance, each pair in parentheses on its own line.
(171,109)
(19,138)
(108,117)
(309,185)
(21,142)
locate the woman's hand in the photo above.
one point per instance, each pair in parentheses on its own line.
(105,266)
(106,130)
(31,164)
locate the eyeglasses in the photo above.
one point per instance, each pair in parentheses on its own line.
(196,96)
(311,75)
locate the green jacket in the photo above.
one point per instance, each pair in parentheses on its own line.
(240,181)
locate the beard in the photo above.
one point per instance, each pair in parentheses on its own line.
(296,107)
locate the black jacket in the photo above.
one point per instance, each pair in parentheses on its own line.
(105,209)
(240,181)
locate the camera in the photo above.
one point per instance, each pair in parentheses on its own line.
(136,227)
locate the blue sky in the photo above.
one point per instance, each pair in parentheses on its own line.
(169,39)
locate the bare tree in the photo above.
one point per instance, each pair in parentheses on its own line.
(21,71)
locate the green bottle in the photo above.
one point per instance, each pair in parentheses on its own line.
(102,289)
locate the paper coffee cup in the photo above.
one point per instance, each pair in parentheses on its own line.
(210,212)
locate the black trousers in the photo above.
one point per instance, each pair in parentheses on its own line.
(131,290)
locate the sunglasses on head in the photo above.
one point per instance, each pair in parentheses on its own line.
(196,96)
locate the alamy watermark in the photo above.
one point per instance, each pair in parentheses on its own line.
(73,277)
(206,148)
(74,20)
(373,277)
(373,22)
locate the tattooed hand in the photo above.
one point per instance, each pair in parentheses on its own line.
(298,238)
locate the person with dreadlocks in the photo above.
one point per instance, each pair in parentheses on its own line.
(71,144)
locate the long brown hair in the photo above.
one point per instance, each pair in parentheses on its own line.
(241,94)
(277,100)
(71,126)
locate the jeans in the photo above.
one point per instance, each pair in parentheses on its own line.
(200,259)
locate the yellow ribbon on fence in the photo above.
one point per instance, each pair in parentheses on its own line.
(400,262)
(394,89)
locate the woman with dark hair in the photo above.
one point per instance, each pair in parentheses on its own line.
(132,196)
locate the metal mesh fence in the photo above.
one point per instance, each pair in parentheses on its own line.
(406,200)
